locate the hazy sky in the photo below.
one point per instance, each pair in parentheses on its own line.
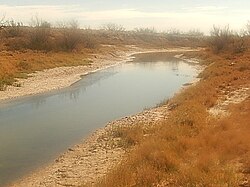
(163,15)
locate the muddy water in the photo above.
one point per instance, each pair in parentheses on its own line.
(34,130)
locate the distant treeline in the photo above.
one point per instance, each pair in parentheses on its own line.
(68,36)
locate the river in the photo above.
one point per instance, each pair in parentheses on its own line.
(35,129)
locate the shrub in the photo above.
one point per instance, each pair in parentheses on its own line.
(5,81)
(17,43)
(39,39)
(220,38)
(129,136)
(223,39)
(39,36)
(195,33)
(70,39)
(248,28)
(112,27)
(145,30)
(88,39)
(71,36)
(2,22)
(238,45)
(89,42)
(23,66)
(13,29)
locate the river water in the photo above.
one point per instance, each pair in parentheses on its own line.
(35,129)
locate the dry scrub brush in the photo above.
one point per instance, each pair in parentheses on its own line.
(191,148)
(224,39)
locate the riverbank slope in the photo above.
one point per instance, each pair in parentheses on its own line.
(204,141)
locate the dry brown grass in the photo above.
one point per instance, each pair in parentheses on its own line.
(128,136)
(18,64)
(191,148)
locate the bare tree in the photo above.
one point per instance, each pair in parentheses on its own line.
(174,32)
(39,37)
(224,39)
(113,27)
(220,38)
(73,24)
(195,33)
(13,28)
(39,23)
(146,30)
(3,22)
(238,44)
(71,35)
(248,28)
(61,24)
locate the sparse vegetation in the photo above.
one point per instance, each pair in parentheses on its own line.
(71,36)
(191,148)
(248,28)
(224,39)
(112,27)
(41,37)
(3,22)
(13,29)
(40,34)
(220,38)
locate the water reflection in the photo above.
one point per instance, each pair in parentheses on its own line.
(174,66)
(74,95)
(38,102)
(82,86)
